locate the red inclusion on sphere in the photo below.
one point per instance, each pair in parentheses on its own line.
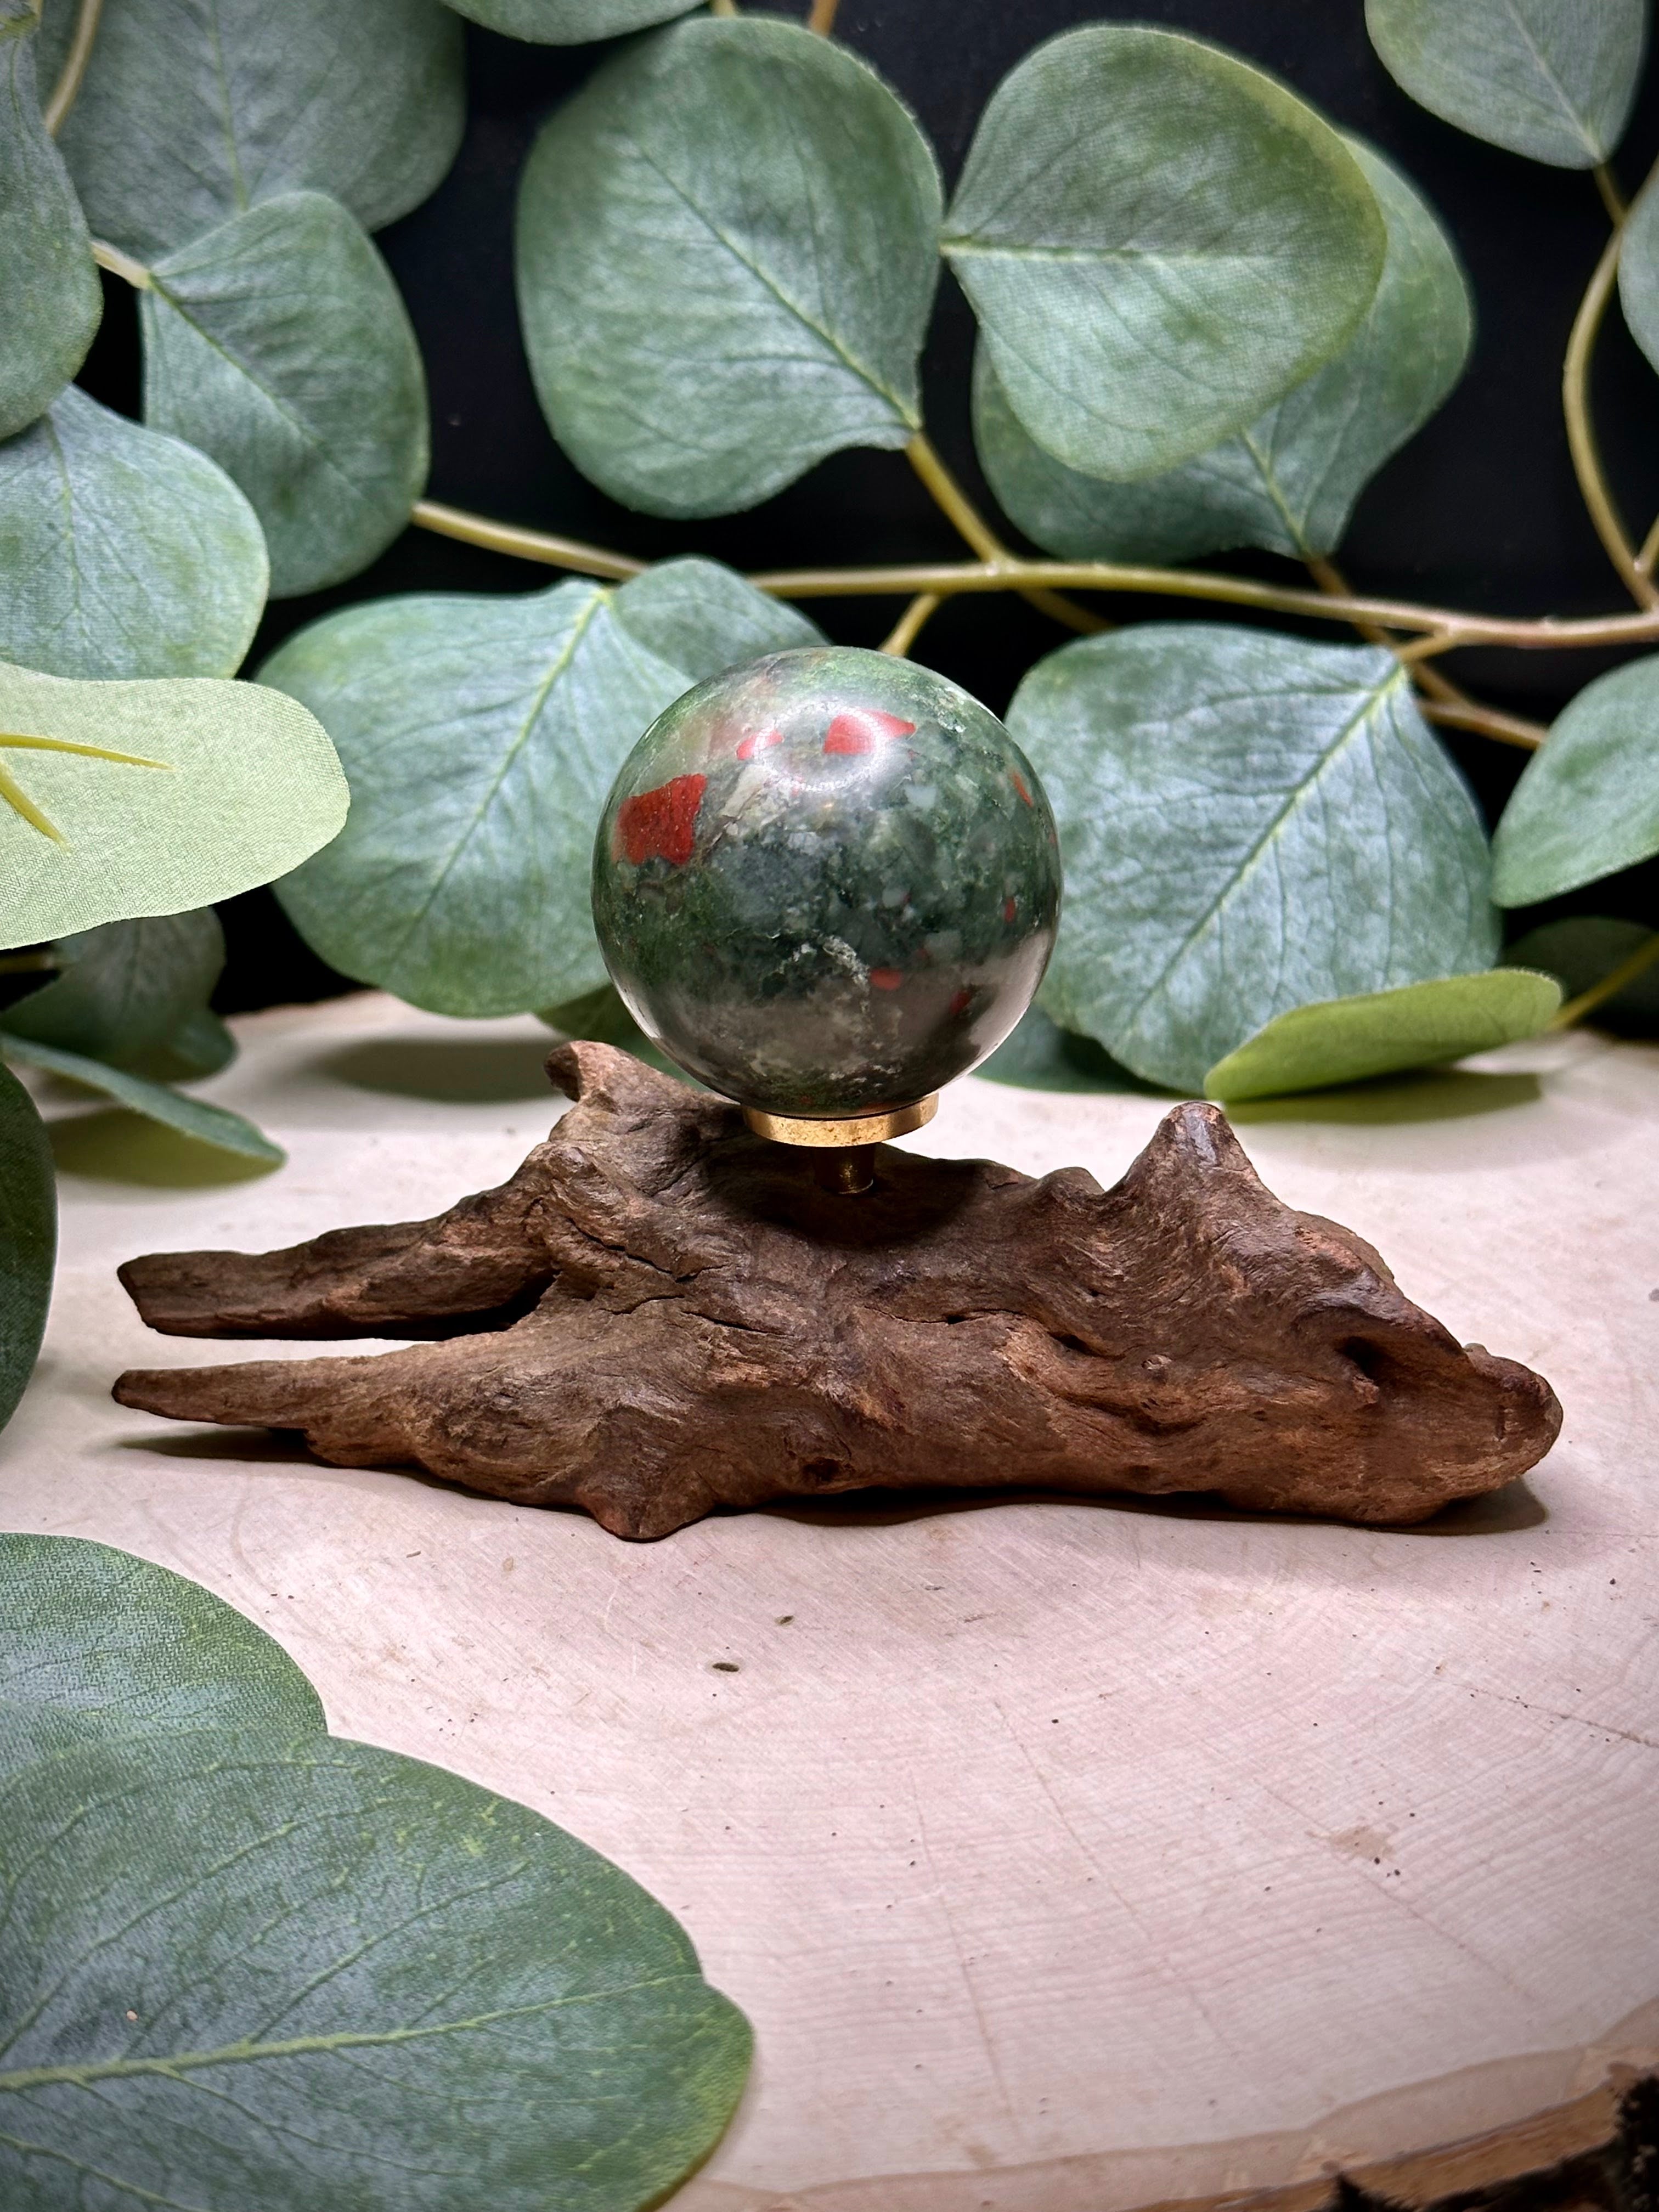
(1010,909)
(661,825)
(886,979)
(862,729)
(962,1000)
(1019,786)
(759,741)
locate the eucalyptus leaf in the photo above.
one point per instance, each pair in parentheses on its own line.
(123,552)
(481,737)
(1638,272)
(1588,802)
(1159,242)
(201,1045)
(163,794)
(280,345)
(569,23)
(110,1644)
(1248,823)
(127,987)
(29,1238)
(226,1131)
(48,280)
(194,110)
(1040,1055)
(1580,952)
(1381,1032)
(240,1973)
(1554,79)
(1289,482)
(726,257)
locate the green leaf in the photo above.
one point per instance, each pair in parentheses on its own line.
(481,737)
(1159,242)
(157,1102)
(1550,78)
(201,1045)
(238,786)
(1040,1055)
(1583,949)
(48,280)
(192,112)
(1289,482)
(1380,1032)
(1588,802)
(279,345)
(1638,272)
(29,1238)
(569,23)
(1248,823)
(127,987)
(123,552)
(726,257)
(115,1647)
(237,1973)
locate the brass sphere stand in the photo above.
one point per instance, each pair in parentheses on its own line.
(846,1147)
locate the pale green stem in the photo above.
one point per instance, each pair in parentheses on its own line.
(73,73)
(1610,985)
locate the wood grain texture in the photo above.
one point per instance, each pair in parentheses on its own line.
(691,1322)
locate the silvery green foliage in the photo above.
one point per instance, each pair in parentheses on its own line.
(1248,823)
(125,552)
(727,258)
(243,1972)
(1381,1032)
(236,786)
(197,1118)
(29,1238)
(569,23)
(1288,482)
(95,1641)
(1554,79)
(48,281)
(195,110)
(279,345)
(1638,272)
(1159,242)
(481,737)
(125,989)
(1588,802)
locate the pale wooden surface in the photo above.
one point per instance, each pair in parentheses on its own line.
(1065,1856)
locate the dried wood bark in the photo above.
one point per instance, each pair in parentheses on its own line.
(661,1313)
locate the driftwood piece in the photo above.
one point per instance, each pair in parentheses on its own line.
(661,1313)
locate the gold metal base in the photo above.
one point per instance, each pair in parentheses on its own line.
(853,1129)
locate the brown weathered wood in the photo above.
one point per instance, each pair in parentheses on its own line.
(661,1313)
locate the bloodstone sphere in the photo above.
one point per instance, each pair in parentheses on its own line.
(827,883)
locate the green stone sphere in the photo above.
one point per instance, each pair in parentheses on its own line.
(828,883)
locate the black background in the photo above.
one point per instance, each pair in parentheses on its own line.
(1479,511)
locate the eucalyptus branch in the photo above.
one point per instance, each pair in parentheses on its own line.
(905,630)
(1441,700)
(972,527)
(1581,433)
(67,89)
(1649,552)
(822,17)
(1445,629)
(120,264)
(1613,981)
(1612,199)
(1448,627)
(525,544)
